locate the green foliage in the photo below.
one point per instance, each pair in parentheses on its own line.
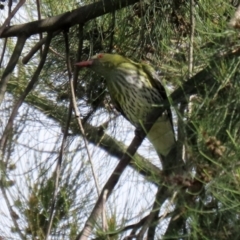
(39,207)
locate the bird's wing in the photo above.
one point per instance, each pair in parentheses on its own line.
(154,79)
(156,83)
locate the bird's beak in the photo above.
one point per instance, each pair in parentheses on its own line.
(85,63)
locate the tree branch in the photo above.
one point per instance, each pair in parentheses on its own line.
(111,183)
(68,19)
(11,15)
(11,65)
(36,47)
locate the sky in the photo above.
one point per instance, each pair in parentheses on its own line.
(36,149)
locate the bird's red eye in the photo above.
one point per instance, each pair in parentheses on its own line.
(100,55)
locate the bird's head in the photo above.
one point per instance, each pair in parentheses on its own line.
(103,63)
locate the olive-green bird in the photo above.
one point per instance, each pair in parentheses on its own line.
(136,91)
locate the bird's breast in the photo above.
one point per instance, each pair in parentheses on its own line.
(135,95)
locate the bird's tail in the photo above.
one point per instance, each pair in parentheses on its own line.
(162,136)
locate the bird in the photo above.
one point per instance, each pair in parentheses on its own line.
(137,92)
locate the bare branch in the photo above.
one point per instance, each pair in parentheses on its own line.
(68,19)
(36,48)
(11,65)
(3,51)
(11,15)
(39,18)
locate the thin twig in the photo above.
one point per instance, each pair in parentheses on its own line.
(112,27)
(151,221)
(139,224)
(27,90)
(77,113)
(56,53)
(36,47)
(3,51)
(181,131)
(11,65)
(11,15)
(58,171)
(134,226)
(39,18)
(192,30)
(73,84)
(104,218)
(183,106)
(71,107)
(10,209)
(176,222)
(9,9)
(59,163)
(78,117)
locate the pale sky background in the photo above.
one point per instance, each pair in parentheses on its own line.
(132,195)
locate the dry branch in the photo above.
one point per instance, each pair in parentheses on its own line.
(68,19)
